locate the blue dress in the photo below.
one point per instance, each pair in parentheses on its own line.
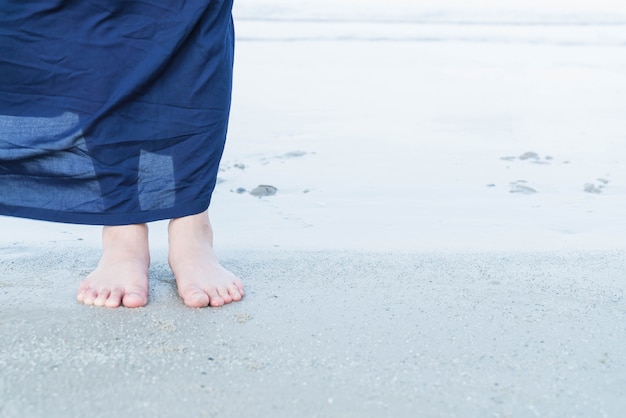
(112,112)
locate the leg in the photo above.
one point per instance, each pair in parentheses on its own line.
(121,277)
(201,279)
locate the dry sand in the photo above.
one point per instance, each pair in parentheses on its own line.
(323,334)
(446,237)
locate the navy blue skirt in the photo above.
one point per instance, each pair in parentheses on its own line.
(112,112)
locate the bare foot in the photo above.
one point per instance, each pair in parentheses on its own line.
(201,279)
(121,277)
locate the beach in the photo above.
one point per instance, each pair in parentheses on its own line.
(425,203)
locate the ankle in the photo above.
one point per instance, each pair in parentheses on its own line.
(123,232)
(125,240)
(194,230)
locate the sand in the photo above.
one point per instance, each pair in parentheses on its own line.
(324,334)
(439,231)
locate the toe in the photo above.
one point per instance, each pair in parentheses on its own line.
(115,298)
(196,298)
(239,286)
(134,300)
(83,289)
(89,297)
(102,297)
(225,295)
(234,292)
(215,299)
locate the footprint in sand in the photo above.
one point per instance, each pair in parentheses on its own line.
(521,186)
(293,154)
(532,157)
(596,187)
(286,156)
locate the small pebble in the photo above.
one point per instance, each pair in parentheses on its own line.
(263,190)
(529,155)
(592,188)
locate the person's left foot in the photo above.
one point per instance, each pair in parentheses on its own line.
(202,281)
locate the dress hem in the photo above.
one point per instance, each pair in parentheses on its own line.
(104,219)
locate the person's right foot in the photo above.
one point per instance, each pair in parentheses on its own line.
(121,277)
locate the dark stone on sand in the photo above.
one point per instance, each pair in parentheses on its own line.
(529,155)
(241,190)
(592,188)
(263,190)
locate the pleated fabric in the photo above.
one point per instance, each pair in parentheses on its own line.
(112,112)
